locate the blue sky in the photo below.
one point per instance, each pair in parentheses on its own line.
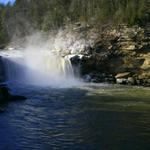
(6,1)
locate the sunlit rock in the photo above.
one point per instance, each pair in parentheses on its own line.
(123,75)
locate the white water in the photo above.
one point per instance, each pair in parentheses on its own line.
(41,68)
(43,59)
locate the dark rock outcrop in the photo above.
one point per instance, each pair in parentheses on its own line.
(120,50)
(6,97)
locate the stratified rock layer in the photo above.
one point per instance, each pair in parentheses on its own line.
(116,52)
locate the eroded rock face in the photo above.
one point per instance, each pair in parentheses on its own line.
(124,50)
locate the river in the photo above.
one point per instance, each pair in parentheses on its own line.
(85,117)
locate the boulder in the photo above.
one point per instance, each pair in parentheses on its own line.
(139,82)
(6,97)
(131,81)
(87,78)
(123,75)
(146,64)
(144,75)
(146,82)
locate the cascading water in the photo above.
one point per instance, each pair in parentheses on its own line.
(12,63)
(38,68)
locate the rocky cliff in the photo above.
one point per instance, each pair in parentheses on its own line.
(118,55)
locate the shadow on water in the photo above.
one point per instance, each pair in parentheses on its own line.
(87,118)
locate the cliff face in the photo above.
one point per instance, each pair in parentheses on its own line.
(133,44)
(120,55)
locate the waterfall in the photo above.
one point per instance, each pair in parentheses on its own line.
(38,68)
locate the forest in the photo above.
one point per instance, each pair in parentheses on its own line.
(24,15)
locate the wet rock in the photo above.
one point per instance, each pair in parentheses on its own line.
(95,80)
(4,94)
(87,78)
(139,81)
(121,81)
(75,60)
(99,78)
(6,97)
(110,79)
(146,82)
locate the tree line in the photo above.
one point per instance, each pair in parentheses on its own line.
(24,15)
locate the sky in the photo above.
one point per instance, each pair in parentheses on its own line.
(6,1)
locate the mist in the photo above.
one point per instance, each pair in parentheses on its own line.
(43,59)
